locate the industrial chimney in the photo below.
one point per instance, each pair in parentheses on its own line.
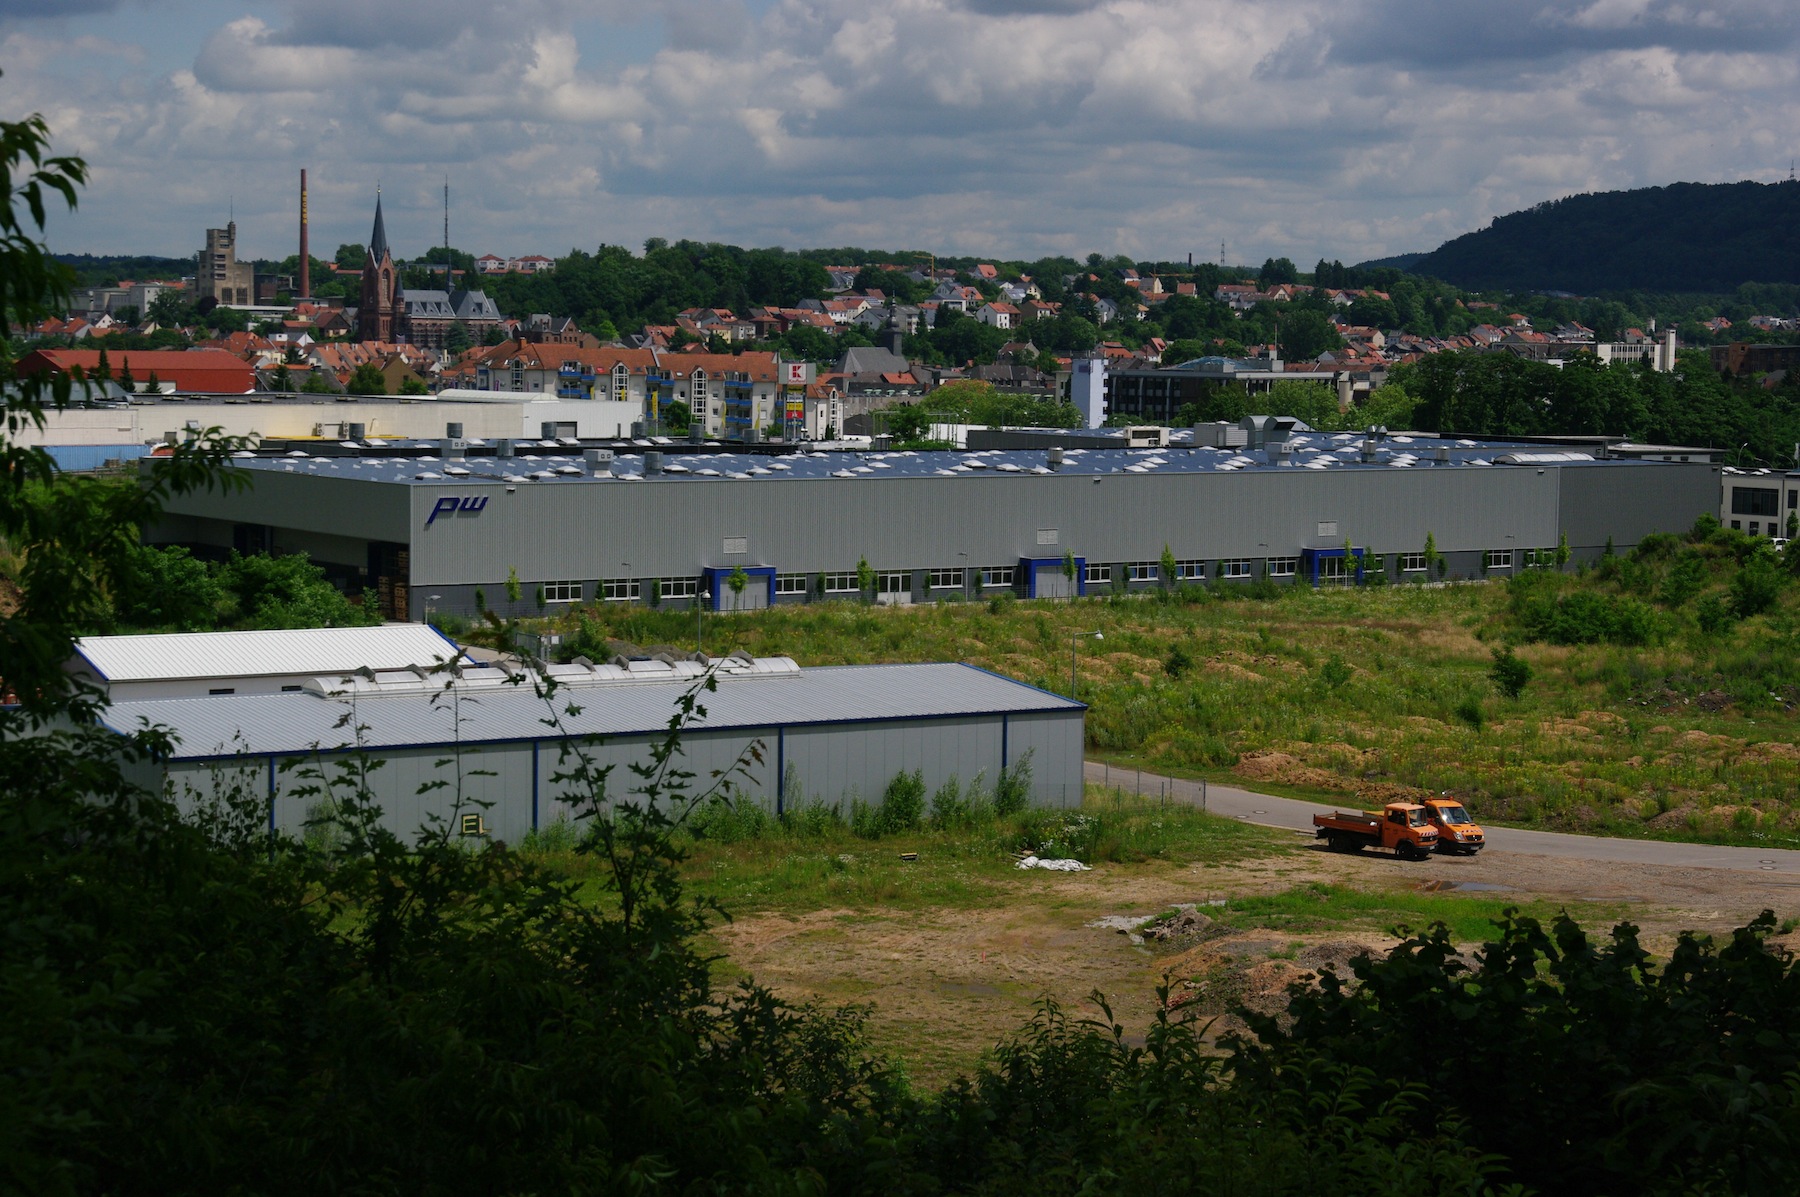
(305,261)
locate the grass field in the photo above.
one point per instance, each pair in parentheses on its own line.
(1372,693)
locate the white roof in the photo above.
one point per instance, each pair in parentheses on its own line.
(191,656)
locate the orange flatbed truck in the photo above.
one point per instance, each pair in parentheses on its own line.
(1402,827)
(1456,831)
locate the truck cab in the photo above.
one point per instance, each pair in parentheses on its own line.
(1457,832)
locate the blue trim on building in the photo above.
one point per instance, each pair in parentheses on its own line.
(1310,558)
(1032,565)
(714,577)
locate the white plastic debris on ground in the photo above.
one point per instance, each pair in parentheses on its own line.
(1055,866)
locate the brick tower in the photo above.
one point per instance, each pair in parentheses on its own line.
(382,314)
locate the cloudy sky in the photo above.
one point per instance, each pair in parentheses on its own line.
(1346,129)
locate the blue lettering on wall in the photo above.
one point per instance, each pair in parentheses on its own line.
(450,505)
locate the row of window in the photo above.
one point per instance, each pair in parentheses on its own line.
(900,581)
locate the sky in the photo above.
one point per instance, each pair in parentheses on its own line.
(1343,129)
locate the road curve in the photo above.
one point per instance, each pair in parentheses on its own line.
(1293,814)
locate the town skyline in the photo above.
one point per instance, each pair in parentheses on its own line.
(1150,128)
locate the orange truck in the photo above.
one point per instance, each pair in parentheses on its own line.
(1456,831)
(1402,827)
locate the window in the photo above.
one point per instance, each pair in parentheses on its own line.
(1331,569)
(619,590)
(736,544)
(1190,571)
(1755,528)
(945,579)
(1141,571)
(1755,500)
(1283,567)
(1234,569)
(1412,563)
(790,583)
(1098,575)
(997,575)
(680,588)
(562,592)
(1499,559)
(1046,535)
(1793,497)
(840,583)
(1737,525)
(229,690)
(898,582)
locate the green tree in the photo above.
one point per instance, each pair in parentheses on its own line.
(366,379)
(1166,568)
(412,384)
(457,340)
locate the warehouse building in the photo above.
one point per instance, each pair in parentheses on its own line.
(196,664)
(489,751)
(425,526)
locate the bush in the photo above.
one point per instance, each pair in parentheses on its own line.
(902,808)
(1713,615)
(1585,617)
(1178,662)
(1012,793)
(1470,712)
(1757,585)
(1509,673)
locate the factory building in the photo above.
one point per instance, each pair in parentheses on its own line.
(423,525)
(198,664)
(491,752)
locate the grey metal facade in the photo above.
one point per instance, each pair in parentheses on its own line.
(509,769)
(589,529)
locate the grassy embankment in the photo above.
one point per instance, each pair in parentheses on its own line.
(1385,692)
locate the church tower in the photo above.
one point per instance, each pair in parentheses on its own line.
(381,316)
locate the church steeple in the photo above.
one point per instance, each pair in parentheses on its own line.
(378,243)
(382,314)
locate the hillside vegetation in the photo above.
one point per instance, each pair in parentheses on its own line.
(1683,237)
(1661,698)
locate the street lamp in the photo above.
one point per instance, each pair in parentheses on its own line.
(1075,654)
(430,600)
(630,582)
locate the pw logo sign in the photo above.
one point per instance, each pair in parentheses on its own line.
(450,505)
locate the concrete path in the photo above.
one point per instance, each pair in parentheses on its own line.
(1295,815)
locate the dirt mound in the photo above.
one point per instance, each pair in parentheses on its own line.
(1270,765)
(1772,750)
(1701,741)
(1186,923)
(1232,670)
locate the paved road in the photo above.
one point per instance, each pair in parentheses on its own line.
(1295,815)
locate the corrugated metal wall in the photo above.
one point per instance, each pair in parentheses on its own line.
(832,764)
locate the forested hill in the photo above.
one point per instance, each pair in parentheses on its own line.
(1683,237)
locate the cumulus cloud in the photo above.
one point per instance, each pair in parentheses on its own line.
(1305,127)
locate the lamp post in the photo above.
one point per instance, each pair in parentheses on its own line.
(1075,654)
(630,582)
(430,602)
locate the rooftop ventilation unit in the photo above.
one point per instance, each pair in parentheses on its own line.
(1368,450)
(454,430)
(1441,455)
(653,462)
(503,447)
(599,461)
(1056,457)
(356,432)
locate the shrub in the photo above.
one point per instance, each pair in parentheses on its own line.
(1012,793)
(902,808)
(1757,586)
(1470,712)
(1178,662)
(1585,617)
(1334,673)
(1713,615)
(1509,673)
